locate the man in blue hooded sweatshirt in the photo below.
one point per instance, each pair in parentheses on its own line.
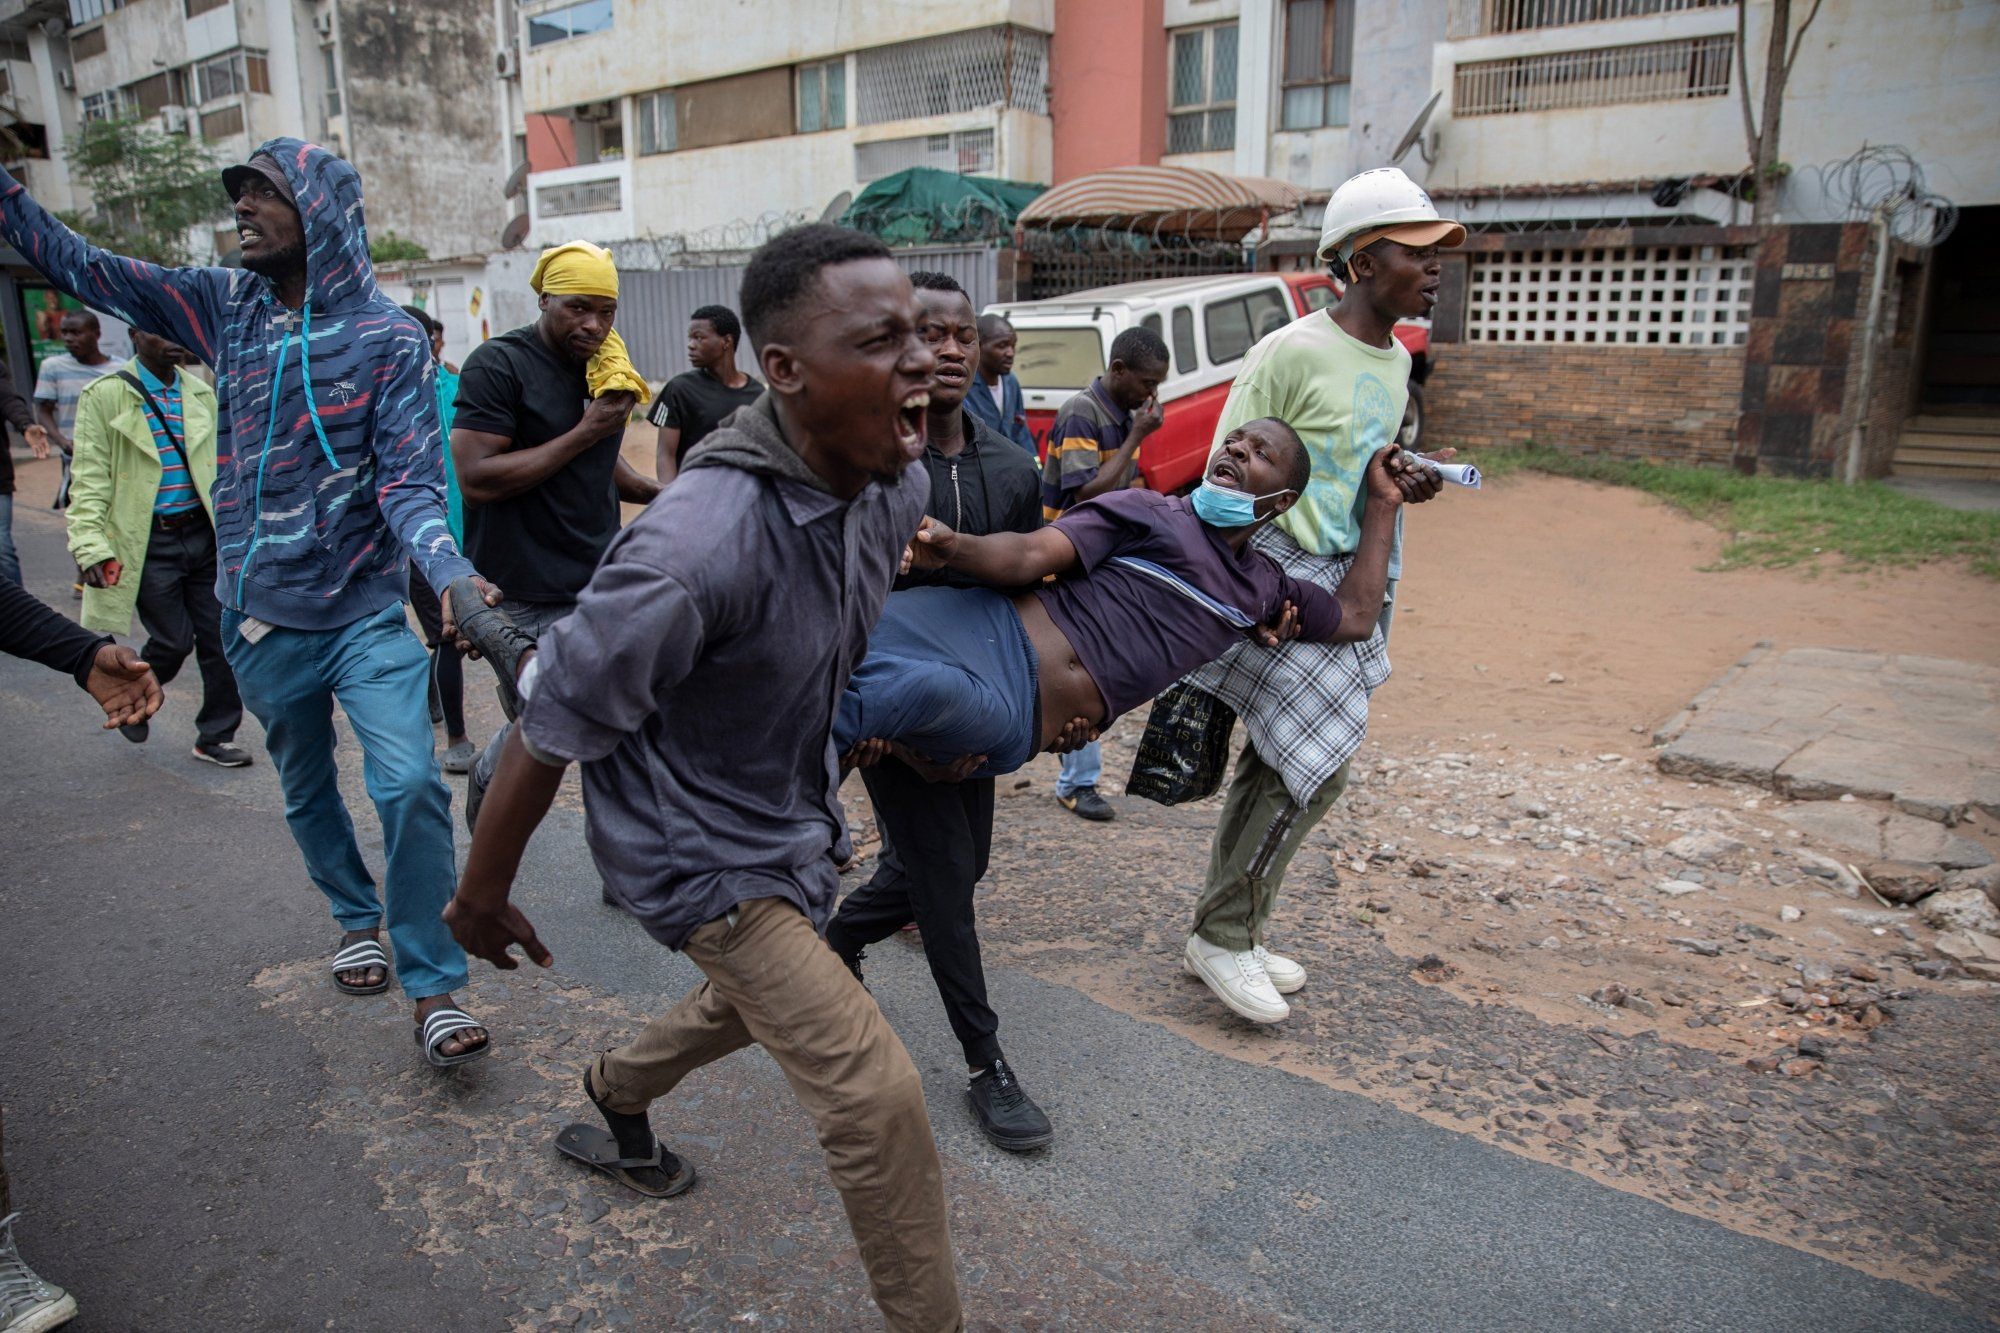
(329,481)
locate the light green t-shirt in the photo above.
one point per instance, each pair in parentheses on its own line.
(1346,400)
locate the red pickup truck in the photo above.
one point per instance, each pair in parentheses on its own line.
(1208,324)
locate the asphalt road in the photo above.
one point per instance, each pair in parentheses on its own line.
(202,1134)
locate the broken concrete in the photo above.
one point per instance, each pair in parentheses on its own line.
(1821,723)
(1885,835)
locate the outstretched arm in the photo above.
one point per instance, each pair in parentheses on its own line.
(481,918)
(182,304)
(1390,482)
(1002,559)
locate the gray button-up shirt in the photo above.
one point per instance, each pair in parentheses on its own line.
(696,683)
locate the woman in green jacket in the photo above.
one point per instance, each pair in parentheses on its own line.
(142,528)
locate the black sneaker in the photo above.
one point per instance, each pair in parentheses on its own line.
(136,732)
(1007,1116)
(493,632)
(1085,803)
(223,753)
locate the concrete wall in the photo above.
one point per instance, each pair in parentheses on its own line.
(1108,84)
(663,43)
(419,115)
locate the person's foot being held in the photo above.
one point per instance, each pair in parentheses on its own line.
(222,753)
(28,1303)
(493,634)
(1086,803)
(1007,1116)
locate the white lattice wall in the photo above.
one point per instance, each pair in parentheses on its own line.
(1661,295)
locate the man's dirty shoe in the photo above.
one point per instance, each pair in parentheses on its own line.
(501,642)
(1085,803)
(27,1303)
(1238,979)
(1007,1116)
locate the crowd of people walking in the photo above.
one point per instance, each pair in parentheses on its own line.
(853,555)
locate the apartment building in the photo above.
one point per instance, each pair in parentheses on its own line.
(402,88)
(664,118)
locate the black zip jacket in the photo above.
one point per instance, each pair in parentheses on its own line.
(992,486)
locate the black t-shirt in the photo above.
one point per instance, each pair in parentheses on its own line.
(543,544)
(696,402)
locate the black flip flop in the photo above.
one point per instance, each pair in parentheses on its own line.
(595,1148)
(358,957)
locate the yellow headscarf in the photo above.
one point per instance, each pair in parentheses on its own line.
(579,268)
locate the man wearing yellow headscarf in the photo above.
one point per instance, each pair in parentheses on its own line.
(536,441)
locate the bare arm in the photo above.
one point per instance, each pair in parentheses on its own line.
(45,412)
(491,470)
(634,486)
(1392,481)
(480,917)
(667,454)
(1002,559)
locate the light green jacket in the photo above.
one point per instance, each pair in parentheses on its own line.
(114,479)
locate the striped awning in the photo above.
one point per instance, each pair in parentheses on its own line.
(1182,201)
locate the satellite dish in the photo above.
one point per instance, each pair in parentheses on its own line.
(514,232)
(516,183)
(1413,136)
(837,210)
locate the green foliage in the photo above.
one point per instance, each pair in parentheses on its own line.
(389,248)
(148,190)
(1780,521)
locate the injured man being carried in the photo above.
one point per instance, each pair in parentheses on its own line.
(1147,587)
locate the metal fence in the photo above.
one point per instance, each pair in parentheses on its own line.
(1480,18)
(961,71)
(654,305)
(1605,76)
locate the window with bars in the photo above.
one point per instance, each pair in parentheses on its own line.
(84,11)
(962,71)
(556,201)
(968,152)
(822,96)
(659,131)
(566,21)
(1663,295)
(220,77)
(1606,76)
(1201,116)
(1319,62)
(1477,18)
(101,106)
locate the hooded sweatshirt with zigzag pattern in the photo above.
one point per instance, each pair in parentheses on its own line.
(329,465)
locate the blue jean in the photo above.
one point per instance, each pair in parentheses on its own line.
(1080,769)
(949,672)
(10,562)
(380,673)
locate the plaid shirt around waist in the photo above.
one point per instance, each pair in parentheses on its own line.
(1305,705)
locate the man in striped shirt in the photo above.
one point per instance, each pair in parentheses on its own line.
(141,530)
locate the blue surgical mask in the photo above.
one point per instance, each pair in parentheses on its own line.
(1224,508)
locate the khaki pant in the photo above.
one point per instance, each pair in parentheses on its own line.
(771,980)
(1261,830)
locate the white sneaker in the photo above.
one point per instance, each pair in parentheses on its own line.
(1237,978)
(1286,975)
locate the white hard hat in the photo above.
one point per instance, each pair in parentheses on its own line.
(1377,204)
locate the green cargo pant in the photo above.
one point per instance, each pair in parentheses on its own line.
(1261,829)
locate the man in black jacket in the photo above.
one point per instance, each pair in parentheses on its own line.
(936,835)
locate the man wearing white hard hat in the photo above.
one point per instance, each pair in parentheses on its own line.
(1339,379)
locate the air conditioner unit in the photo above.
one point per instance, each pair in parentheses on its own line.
(323,24)
(594,111)
(507,62)
(174,119)
(67,78)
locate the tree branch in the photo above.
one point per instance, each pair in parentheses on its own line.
(1798,38)
(1743,84)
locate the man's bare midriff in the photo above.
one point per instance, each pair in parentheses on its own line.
(1066,689)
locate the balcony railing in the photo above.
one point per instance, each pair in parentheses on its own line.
(1483,18)
(1606,76)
